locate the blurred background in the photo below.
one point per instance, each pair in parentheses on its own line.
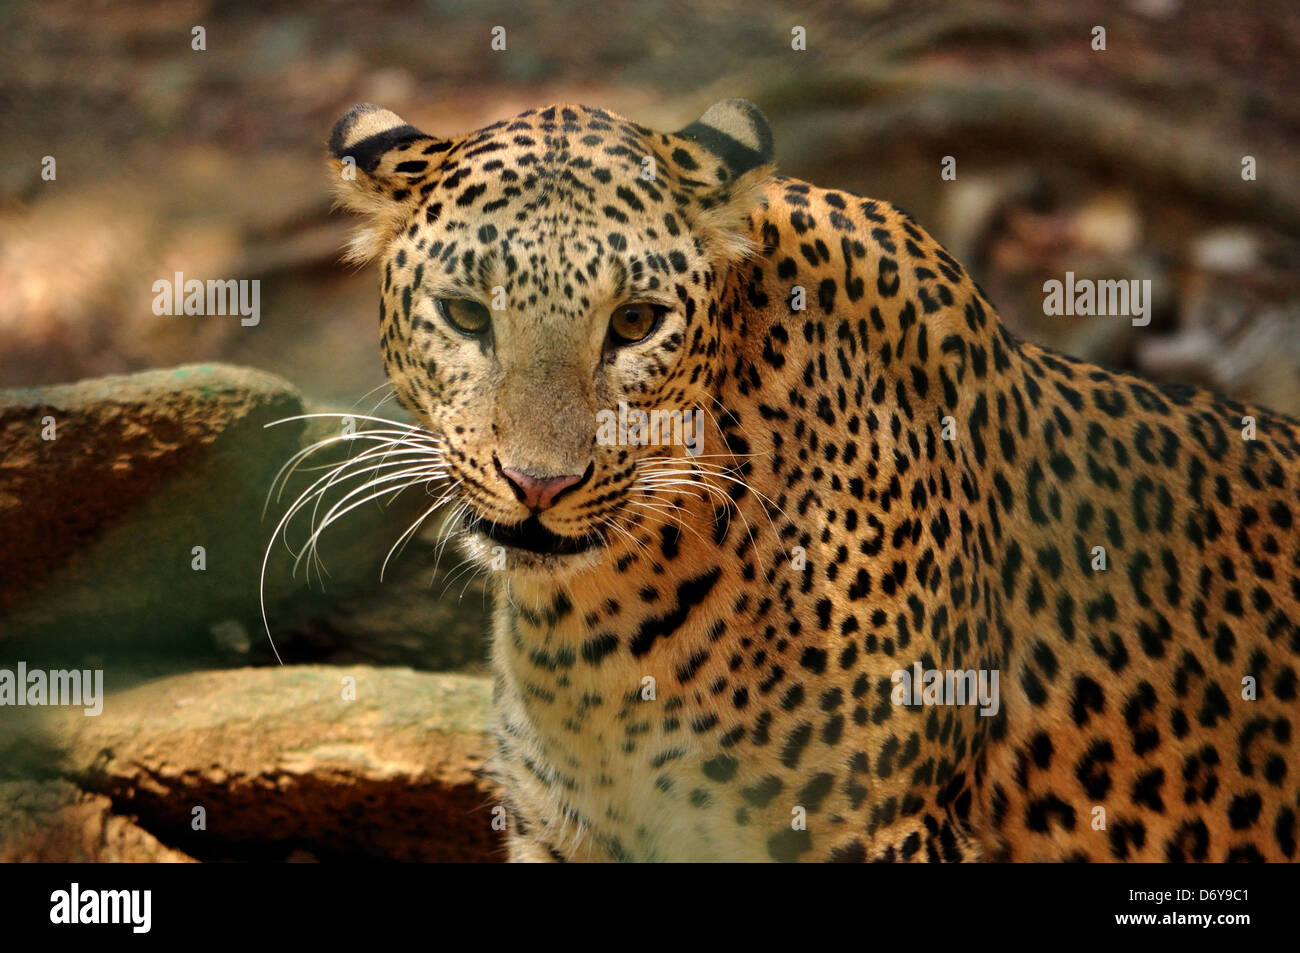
(1117,162)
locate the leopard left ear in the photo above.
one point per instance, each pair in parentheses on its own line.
(736,132)
(380,164)
(724,159)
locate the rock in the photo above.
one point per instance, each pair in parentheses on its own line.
(422,617)
(1235,345)
(1239,305)
(1108,224)
(54,822)
(107,485)
(1155,9)
(1186,356)
(140,524)
(1227,250)
(283,766)
(972,205)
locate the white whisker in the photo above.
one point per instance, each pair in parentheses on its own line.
(399,456)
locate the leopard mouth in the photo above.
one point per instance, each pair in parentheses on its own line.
(532,536)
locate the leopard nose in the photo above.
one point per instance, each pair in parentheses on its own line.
(539,492)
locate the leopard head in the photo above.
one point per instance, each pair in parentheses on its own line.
(542,279)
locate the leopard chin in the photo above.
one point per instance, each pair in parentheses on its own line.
(530,549)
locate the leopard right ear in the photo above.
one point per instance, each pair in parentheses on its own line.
(382,166)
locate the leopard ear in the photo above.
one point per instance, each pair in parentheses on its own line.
(736,132)
(724,159)
(380,163)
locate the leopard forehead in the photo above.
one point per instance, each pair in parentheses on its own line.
(564,170)
(557,201)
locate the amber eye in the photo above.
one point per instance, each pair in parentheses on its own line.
(467,317)
(631,323)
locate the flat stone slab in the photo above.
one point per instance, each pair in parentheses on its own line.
(74,458)
(55,822)
(278,763)
(134,516)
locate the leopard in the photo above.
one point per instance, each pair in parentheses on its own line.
(921,591)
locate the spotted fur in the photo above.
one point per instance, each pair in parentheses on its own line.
(831,535)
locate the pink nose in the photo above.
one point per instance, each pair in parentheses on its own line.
(539,492)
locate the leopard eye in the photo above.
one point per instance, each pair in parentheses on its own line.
(467,317)
(634,322)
